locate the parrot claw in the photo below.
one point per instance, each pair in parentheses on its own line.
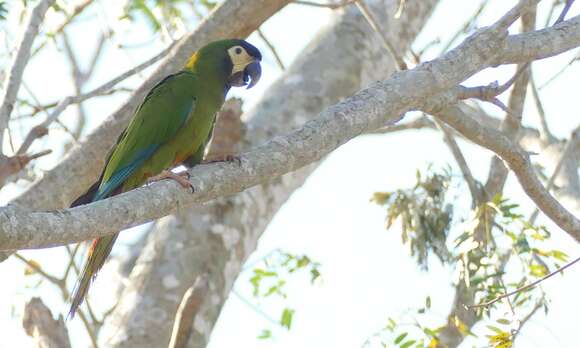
(182,178)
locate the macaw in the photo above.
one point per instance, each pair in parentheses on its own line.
(172,126)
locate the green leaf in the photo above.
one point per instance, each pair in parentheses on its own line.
(314,274)
(559,255)
(428,302)
(303,262)
(538,270)
(266,334)
(408,344)
(401,337)
(3,10)
(429,332)
(392,324)
(495,329)
(286,319)
(503,321)
(381,198)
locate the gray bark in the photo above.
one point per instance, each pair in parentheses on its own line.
(218,237)
(82,166)
(430,86)
(39,324)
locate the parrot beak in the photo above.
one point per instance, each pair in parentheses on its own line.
(249,77)
(252,71)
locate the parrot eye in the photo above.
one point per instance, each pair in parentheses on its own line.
(238,50)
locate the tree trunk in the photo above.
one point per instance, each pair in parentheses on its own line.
(217,238)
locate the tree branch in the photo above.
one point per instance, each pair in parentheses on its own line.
(518,161)
(220,236)
(232,18)
(19,62)
(368,110)
(188,308)
(39,324)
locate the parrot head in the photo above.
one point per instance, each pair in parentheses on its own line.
(236,61)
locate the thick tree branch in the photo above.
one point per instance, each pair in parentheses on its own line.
(81,167)
(518,161)
(221,235)
(370,109)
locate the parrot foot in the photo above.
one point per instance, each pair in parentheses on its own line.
(182,178)
(224,158)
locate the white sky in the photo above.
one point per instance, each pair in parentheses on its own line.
(367,275)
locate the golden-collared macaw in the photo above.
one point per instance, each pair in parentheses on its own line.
(173,125)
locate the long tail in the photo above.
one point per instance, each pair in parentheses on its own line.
(100,249)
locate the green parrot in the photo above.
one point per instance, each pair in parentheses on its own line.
(172,126)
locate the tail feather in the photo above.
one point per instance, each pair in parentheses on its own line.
(100,249)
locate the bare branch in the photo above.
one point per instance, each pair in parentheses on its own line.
(328,5)
(564,12)
(526,287)
(367,13)
(39,324)
(12,165)
(544,129)
(102,89)
(188,308)
(272,48)
(232,18)
(19,62)
(368,110)
(518,161)
(190,235)
(35,133)
(461,162)
(566,153)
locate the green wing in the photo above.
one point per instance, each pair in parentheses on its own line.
(163,112)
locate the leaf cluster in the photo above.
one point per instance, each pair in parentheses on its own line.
(425,215)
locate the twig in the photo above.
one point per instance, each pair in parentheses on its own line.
(565,10)
(272,49)
(78,9)
(525,320)
(490,92)
(104,88)
(34,266)
(61,284)
(461,162)
(330,6)
(518,161)
(400,63)
(12,165)
(400,9)
(419,123)
(560,72)
(95,58)
(188,309)
(551,11)
(466,26)
(19,61)
(566,152)
(545,133)
(525,287)
(35,133)
(255,308)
